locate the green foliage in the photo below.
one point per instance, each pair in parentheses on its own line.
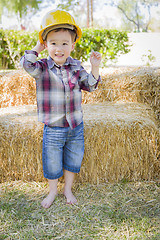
(148,59)
(13,44)
(19,7)
(110,43)
(68,4)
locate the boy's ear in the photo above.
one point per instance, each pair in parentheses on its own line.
(45,44)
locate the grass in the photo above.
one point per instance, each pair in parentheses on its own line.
(108,211)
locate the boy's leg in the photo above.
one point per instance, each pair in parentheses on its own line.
(73,155)
(47,202)
(69,178)
(52,156)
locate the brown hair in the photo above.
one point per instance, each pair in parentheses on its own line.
(72,32)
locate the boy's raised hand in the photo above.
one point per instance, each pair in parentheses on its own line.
(95,58)
(39,47)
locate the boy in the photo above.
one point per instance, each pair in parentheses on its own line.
(59,80)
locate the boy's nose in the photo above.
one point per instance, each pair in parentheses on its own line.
(59,47)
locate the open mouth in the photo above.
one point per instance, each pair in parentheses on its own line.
(59,55)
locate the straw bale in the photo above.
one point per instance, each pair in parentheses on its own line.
(128,84)
(17,88)
(121,142)
(21,140)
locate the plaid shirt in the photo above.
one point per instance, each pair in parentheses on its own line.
(58,89)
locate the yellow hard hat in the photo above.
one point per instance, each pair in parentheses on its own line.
(58,19)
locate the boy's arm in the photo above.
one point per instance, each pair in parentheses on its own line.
(90,81)
(29,60)
(95,60)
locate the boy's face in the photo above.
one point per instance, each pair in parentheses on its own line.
(59,45)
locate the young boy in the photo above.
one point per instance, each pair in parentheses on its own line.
(59,80)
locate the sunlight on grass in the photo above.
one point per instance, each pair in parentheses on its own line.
(106,211)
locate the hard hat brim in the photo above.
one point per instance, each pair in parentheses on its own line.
(49,29)
(43,33)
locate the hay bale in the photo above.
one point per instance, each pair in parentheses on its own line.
(121,142)
(127,84)
(21,140)
(17,88)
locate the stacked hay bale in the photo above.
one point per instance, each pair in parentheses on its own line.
(122,139)
(140,84)
(16,88)
(118,84)
(121,142)
(20,148)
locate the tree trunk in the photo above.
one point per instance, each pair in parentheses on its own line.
(92,13)
(88,14)
(137,17)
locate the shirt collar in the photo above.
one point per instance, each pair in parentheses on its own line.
(69,61)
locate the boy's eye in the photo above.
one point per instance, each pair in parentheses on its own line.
(65,44)
(53,43)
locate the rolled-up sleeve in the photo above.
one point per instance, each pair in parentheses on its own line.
(88,81)
(30,64)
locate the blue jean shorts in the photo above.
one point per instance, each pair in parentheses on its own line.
(63,148)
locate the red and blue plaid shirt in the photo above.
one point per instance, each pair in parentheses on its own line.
(58,89)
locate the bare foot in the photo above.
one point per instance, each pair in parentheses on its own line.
(70,197)
(47,202)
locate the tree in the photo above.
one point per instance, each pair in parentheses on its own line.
(20,8)
(68,5)
(132,11)
(90,13)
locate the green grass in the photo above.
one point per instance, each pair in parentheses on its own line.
(108,211)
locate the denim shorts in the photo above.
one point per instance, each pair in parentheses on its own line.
(63,148)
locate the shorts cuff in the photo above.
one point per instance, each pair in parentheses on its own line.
(72,169)
(52,177)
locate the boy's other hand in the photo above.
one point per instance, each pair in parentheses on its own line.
(95,58)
